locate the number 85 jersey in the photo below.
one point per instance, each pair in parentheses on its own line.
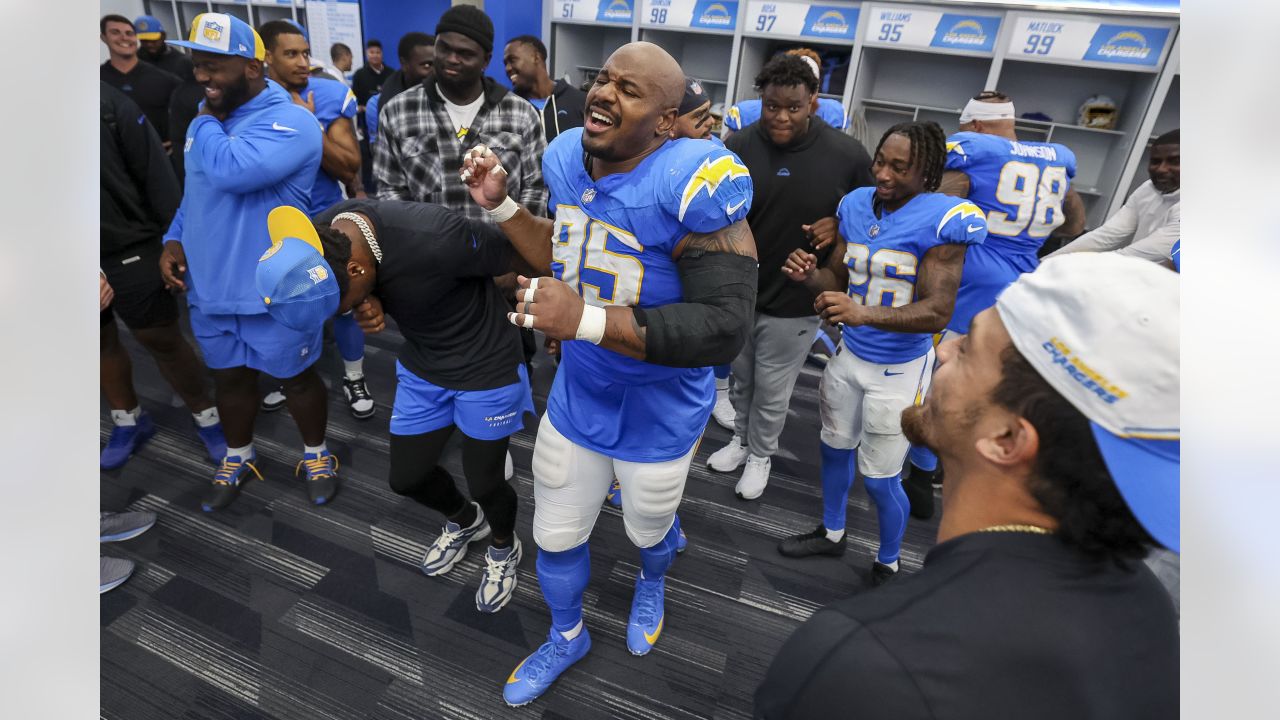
(884,255)
(613,242)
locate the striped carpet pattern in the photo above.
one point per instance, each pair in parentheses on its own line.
(274,608)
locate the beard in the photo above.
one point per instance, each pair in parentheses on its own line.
(914,427)
(150,55)
(233,96)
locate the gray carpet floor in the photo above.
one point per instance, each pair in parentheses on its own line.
(274,608)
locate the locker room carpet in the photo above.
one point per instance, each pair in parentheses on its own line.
(276,609)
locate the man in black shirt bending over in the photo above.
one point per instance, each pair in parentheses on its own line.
(800,168)
(1057,418)
(461,366)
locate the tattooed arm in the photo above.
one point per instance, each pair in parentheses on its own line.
(935,298)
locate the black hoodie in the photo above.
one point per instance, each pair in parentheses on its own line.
(566,108)
(794,186)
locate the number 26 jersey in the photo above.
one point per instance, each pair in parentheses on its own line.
(613,242)
(884,255)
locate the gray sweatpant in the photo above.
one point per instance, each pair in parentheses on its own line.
(764,374)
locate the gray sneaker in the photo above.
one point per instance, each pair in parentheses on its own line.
(115,527)
(112,572)
(449,549)
(499,580)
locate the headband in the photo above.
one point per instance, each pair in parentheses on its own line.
(979,110)
(812,65)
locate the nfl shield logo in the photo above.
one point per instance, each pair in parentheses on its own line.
(317,275)
(212,31)
(873,231)
(588,195)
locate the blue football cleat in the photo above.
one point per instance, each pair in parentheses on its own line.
(682,542)
(537,672)
(125,441)
(214,441)
(645,624)
(614,497)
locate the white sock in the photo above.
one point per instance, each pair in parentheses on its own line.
(892,566)
(314,450)
(241,452)
(355,368)
(126,418)
(573,632)
(722,384)
(835,535)
(207,417)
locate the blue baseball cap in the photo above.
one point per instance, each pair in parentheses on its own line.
(1103,330)
(148,27)
(223,34)
(293,278)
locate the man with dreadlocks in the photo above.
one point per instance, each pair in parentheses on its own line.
(900,254)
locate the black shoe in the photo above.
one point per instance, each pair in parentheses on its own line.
(273,400)
(881,573)
(813,543)
(358,397)
(233,473)
(919,489)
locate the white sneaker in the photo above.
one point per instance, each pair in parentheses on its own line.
(730,457)
(754,478)
(723,411)
(509,470)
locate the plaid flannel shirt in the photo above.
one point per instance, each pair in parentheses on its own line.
(418,155)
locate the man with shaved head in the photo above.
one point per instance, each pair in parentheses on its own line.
(651,280)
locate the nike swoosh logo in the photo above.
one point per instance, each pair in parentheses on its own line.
(651,639)
(890,374)
(281,128)
(513,679)
(975,228)
(731,209)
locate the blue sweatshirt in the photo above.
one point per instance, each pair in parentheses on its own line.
(266,154)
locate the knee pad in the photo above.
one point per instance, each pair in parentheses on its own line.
(650,497)
(550,456)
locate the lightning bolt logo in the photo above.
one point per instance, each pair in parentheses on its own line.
(963,210)
(709,175)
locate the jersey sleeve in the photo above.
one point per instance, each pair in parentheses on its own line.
(963,224)
(1068,161)
(710,187)
(733,118)
(833,113)
(844,217)
(961,152)
(559,187)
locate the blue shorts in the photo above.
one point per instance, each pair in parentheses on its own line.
(421,407)
(255,341)
(987,272)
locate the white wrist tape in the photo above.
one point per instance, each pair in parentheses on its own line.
(591,327)
(505,211)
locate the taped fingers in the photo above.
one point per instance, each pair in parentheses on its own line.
(523,320)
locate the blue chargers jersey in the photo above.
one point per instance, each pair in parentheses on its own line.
(884,255)
(1020,185)
(333,100)
(612,242)
(748,111)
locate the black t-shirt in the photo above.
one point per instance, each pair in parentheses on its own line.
(147,85)
(436,281)
(139,193)
(996,625)
(175,62)
(366,83)
(795,186)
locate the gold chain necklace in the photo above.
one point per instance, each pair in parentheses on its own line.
(1034,529)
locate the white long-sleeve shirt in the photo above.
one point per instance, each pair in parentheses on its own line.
(1146,227)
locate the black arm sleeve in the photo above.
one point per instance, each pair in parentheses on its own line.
(148,164)
(711,325)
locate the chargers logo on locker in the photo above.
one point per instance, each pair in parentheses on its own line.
(715,15)
(966,32)
(617,11)
(1129,44)
(831,22)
